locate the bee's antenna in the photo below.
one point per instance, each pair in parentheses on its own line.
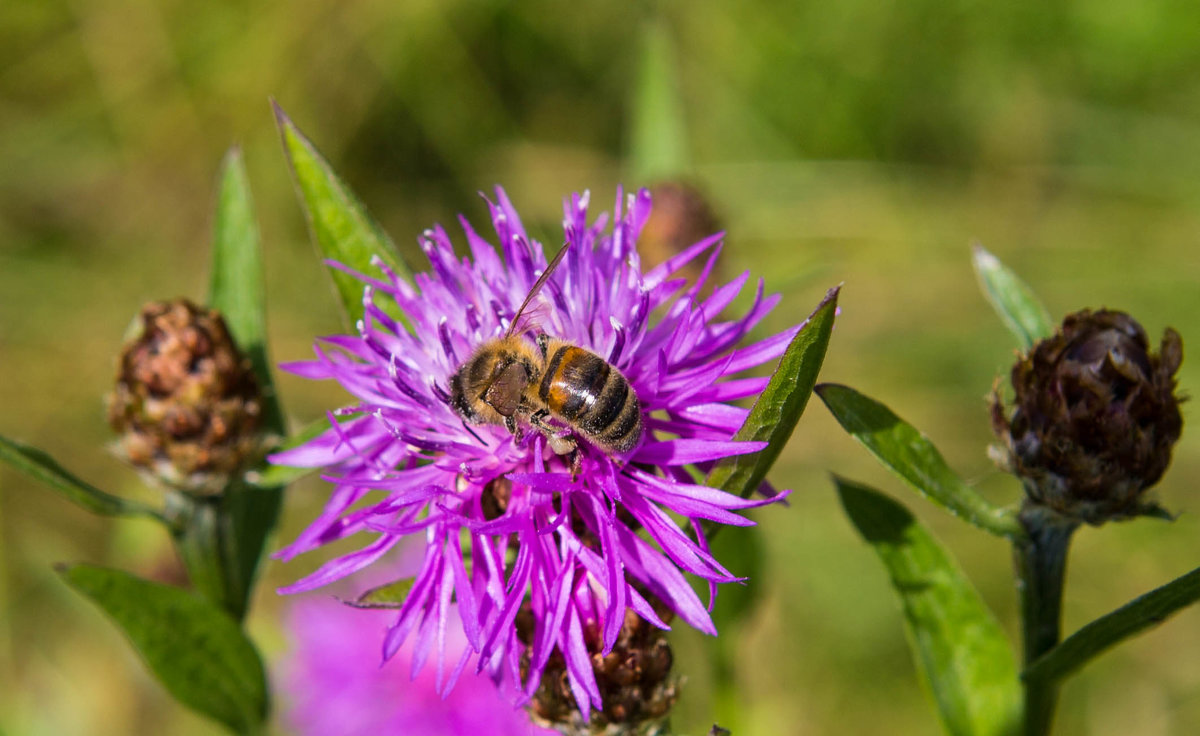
(537,286)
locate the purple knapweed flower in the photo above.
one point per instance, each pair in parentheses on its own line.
(510,526)
(332,683)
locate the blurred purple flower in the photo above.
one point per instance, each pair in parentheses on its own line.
(505,523)
(333,685)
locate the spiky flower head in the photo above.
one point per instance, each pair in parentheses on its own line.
(1095,416)
(186,402)
(508,524)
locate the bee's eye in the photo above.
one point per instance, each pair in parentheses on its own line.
(498,368)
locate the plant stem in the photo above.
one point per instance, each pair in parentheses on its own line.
(1041,562)
(203,541)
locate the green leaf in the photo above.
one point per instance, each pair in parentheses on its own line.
(236,285)
(226,537)
(1107,631)
(389,595)
(771,419)
(195,650)
(658,132)
(958,646)
(1012,299)
(340,225)
(236,288)
(909,454)
(40,466)
(779,407)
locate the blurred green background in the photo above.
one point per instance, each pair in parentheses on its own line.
(857,142)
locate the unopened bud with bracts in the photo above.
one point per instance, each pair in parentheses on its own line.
(634,680)
(1095,417)
(186,402)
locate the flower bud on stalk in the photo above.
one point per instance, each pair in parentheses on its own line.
(1095,417)
(186,402)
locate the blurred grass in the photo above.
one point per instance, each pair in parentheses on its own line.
(860,142)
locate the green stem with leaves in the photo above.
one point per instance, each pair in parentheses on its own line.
(1041,567)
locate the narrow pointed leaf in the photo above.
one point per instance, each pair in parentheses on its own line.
(40,466)
(1107,631)
(1012,299)
(194,649)
(226,544)
(779,407)
(658,136)
(909,454)
(340,225)
(958,646)
(390,595)
(237,288)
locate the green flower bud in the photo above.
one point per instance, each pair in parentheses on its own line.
(186,402)
(1095,417)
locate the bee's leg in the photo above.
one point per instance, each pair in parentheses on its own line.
(543,340)
(510,423)
(576,462)
(538,421)
(561,442)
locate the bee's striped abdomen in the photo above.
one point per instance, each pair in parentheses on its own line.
(573,381)
(582,389)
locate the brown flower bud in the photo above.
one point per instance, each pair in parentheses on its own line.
(1095,416)
(186,402)
(634,680)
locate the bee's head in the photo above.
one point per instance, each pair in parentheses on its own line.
(458,399)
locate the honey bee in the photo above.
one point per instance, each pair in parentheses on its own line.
(507,380)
